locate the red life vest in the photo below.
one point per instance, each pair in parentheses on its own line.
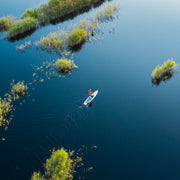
(90,93)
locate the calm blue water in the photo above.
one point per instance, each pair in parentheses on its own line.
(135,125)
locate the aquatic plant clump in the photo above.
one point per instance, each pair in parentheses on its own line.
(161,71)
(21,27)
(5,108)
(19,89)
(6,23)
(56,41)
(23,46)
(65,65)
(108,12)
(76,37)
(60,166)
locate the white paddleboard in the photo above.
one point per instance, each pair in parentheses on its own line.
(89,99)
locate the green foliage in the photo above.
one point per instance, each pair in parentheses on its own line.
(77,37)
(79,32)
(21,27)
(6,23)
(60,166)
(43,13)
(65,65)
(59,8)
(5,108)
(30,13)
(19,89)
(160,71)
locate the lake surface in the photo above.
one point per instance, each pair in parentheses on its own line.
(134,124)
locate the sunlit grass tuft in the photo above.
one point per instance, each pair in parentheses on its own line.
(160,71)
(65,65)
(77,37)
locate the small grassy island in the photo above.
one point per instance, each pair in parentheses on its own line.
(76,37)
(163,72)
(54,10)
(65,65)
(60,166)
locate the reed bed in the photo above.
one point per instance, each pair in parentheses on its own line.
(56,41)
(22,26)
(6,23)
(80,32)
(42,14)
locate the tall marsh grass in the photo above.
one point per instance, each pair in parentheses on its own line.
(77,37)
(44,13)
(80,32)
(21,27)
(6,23)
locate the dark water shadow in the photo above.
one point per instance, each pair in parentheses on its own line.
(78,47)
(167,76)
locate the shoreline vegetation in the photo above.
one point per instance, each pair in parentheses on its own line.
(78,34)
(60,165)
(163,72)
(50,12)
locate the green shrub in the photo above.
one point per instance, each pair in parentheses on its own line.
(65,65)
(18,89)
(60,166)
(160,71)
(21,27)
(6,23)
(77,37)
